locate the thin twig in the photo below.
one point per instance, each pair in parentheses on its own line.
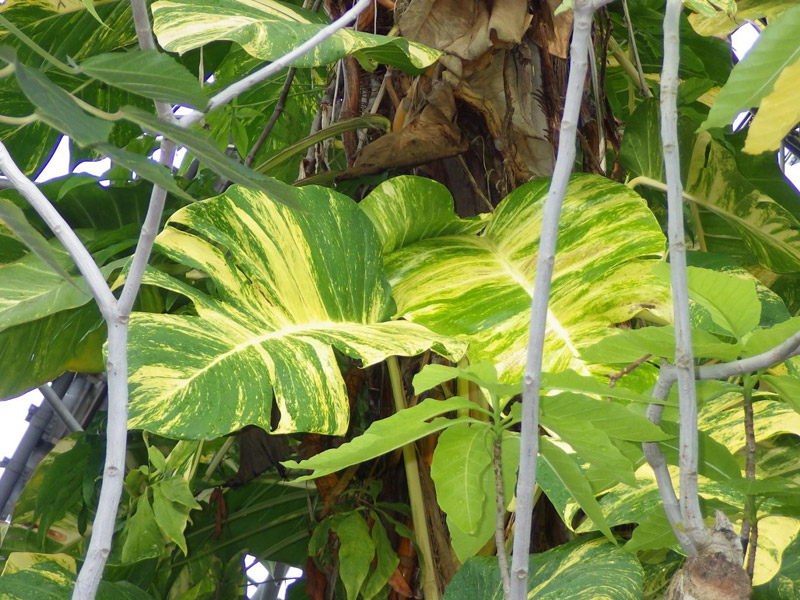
(684,359)
(500,516)
(529,446)
(277,65)
(614,377)
(749,521)
(276,112)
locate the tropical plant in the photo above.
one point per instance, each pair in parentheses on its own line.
(493,404)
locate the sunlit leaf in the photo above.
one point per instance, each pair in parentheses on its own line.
(289,286)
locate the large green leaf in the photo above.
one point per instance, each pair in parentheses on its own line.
(355,552)
(754,77)
(577,570)
(269,29)
(479,287)
(287,286)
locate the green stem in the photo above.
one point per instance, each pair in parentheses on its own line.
(215,462)
(660,186)
(415,498)
(19,121)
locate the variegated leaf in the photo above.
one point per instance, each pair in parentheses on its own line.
(479,287)
(268,29)
(286,286)
(579,569)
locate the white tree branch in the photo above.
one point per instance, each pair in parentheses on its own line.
(529,447)
(657,461)
(684,359)
(256,77)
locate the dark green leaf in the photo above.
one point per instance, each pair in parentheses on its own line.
(148,73)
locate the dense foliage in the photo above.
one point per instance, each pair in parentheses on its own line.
(383,198)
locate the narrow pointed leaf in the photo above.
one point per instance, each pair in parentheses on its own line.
(289,285)
(574,480)
(269,29)
(207,151)
(57,108)
(386,435)
(148,73)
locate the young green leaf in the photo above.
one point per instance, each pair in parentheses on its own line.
(143,539)
(387,559)
(356,551)
(172,515)
(482,374)
(148,73)
(463,474)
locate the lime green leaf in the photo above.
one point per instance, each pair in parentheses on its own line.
(574,480)
(629,345)
(290,284)
(143,537)
(765,338)
(148,73)
(768,230)
(573,571)
(612,418)
(754,77)
(387,559)
(385,435)
(89,4)
(467,545)
(356,551)
(156,459)
(463,474)
(395,208)
(204,148)
(58,108)
(570,381)
(479,286)
(270,29)
(171,514)
(731,300)
(652,532)
(788,388)
(482,374)
(778,113)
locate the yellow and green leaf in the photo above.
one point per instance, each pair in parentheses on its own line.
(286,287)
